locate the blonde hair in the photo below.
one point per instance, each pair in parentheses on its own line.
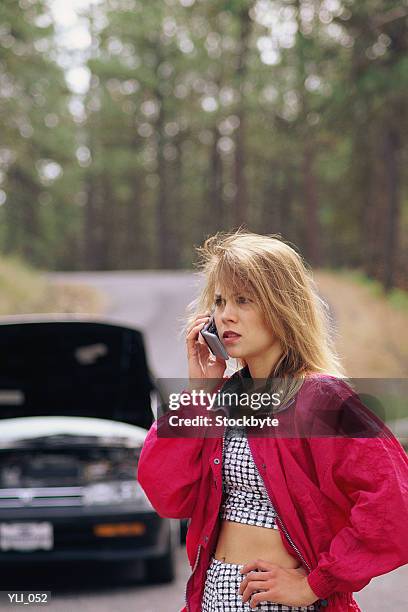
(284,290)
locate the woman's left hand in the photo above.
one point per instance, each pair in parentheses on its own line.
(279,585)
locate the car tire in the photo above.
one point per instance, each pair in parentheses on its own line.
(160,570)
(184,523)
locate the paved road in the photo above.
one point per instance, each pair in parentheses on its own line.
(154,301)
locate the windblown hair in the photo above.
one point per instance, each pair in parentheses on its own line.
(282,285)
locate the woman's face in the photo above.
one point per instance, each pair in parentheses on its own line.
(239,313)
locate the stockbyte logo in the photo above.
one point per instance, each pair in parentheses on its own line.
(223,421)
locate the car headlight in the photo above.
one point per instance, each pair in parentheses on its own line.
(105,493)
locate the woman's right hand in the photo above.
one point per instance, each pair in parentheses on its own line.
(202,364)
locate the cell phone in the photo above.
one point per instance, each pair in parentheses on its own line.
(210,335)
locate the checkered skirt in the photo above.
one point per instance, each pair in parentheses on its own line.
(221,592)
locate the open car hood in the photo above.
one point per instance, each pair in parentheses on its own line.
(74,368)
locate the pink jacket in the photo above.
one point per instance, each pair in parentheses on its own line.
(342,502)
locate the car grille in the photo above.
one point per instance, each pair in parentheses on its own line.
(60,477)
(40,497)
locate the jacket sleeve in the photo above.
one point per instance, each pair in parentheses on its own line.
(169,466)
(373,474)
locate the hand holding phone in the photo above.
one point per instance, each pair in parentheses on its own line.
(201,362)
(210,335)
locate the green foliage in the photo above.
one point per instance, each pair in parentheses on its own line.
(37,147)
(398,298)
(198,118)
(25,290)
(21,288)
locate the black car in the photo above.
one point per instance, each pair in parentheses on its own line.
(76,400)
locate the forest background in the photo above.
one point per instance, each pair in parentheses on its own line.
(153,124)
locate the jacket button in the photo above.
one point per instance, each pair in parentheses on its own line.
(264,465)
(205,538)
(216,461)
(324,602)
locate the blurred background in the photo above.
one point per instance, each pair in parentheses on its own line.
(131,130)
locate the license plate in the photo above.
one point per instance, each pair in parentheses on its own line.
(26,536)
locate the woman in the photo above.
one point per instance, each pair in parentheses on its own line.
(297,519)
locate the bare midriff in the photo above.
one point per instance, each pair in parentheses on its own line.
(241,543)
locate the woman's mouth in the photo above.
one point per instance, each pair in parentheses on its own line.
(230,337)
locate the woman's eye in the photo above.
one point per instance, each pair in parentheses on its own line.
(241,299)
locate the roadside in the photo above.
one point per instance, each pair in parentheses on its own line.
(371,333)
(24,290)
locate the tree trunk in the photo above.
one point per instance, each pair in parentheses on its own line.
(241,193)
(163,233)
(109,221)
(312,226)
(270,219)
(285,206)
(214,216)
(24,225)
(392,194)
(93,231)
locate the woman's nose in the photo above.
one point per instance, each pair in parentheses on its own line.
(229,312)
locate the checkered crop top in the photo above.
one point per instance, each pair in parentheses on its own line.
(245,499)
